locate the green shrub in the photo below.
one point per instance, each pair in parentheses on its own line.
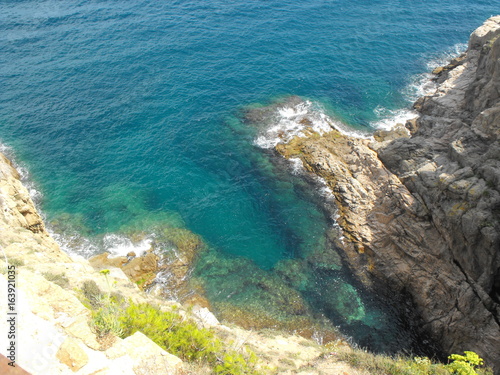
(92,293)
(234,363)
(59,279)
(182,337)
(16,262)
(466,364)
(386,365)
(170,331)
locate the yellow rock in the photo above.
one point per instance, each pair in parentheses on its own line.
(72,355)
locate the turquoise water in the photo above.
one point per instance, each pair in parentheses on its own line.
(131,113)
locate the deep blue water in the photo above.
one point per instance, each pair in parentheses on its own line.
(129,113)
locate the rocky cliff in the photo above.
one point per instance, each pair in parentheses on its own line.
(420,212)
(53,334)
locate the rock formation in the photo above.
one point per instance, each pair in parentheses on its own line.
(421,213)
(53,333)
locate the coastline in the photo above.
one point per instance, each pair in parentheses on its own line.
(150,279)
(383,149)
(54,331)
(408,207)
(54,327)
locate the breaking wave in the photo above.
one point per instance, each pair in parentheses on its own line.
(296,118)
(419,85)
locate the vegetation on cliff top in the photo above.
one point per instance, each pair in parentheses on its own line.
(171,330)
(175,332)
(468,364)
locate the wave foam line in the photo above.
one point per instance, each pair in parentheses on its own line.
(118,245)
(419,85)
(292,120)
(35,194)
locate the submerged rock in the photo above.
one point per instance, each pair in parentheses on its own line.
(165,268)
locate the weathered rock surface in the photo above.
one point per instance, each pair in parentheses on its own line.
(452,165)
(53,335)
(165,274)
(421,214)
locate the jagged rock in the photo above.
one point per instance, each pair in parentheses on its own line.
(150,357)
(103,260)
(399,131)
(72,355)
(422,214)
(18,209)
(457,132)
(160,272)
(139,269)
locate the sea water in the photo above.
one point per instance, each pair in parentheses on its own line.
(130,115)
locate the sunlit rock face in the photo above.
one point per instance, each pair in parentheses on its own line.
(420,213)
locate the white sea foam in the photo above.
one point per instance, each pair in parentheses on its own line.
(118,245)
(297,166)
(24,175)
(419,85)
(75,244)
(324,190)
(390,118)
(445,57)
(293,119)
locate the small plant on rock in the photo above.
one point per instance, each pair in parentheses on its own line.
(58,279)
(92,294)
(465,364)
(105,320)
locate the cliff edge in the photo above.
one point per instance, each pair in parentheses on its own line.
(420,212)
(451,164)
(45,328)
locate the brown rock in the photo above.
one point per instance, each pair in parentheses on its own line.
(140,267)
(411,125)
(6,369)
(438,70)
(423,214)
(72,355)
(399,131)
(102,261)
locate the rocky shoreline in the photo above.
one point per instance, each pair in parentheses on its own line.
(55,332)
(419,208)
